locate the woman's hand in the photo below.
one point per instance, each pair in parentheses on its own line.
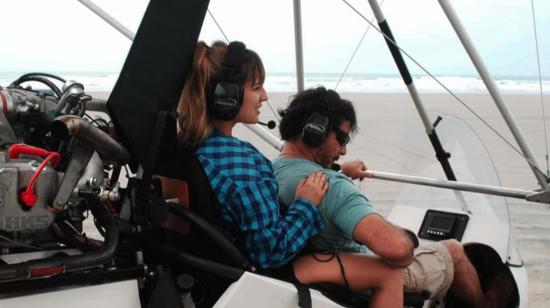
(355,169)
(313,188)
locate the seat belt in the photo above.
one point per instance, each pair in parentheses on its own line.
(304,296)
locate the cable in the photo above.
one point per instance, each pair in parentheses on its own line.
(273,111)
(355,52)
(529,161)
(42,74)
(218,25)
(40,79)
(28,196)
(540,87)
(227,40)
(9,240)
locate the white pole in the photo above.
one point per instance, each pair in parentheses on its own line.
(266,136)
(483,189)
(108,18)
(493,90)
(298,45)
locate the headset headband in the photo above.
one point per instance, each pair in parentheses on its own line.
(232,69)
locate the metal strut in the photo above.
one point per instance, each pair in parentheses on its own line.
(440,152)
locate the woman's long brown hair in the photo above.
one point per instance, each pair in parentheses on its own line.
(194,123)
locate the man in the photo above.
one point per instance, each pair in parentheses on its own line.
(316,127)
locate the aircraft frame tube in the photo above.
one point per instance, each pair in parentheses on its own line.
(108,18)
(484,189)
(298,45)
(401,65)
(493,90)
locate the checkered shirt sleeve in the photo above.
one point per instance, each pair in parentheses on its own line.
(246,189)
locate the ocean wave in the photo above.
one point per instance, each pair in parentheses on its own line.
(279,82)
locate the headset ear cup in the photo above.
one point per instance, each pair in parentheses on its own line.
(225,97)
(315,130)
(225,101)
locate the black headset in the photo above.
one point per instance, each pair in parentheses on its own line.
(225,95)
(319,124)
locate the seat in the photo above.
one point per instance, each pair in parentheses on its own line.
(206,222)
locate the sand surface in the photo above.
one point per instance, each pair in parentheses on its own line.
(392,134)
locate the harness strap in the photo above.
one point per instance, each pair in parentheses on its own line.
(304,296)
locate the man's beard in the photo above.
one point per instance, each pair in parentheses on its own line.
(323,159)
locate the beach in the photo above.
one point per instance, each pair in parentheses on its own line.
(390,132)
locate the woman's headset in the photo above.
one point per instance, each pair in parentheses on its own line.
(225,95)
(319,124)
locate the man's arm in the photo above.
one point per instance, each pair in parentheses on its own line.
(393,245)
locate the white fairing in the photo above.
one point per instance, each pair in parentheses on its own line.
(123,294)
(253,290)
(520,275)
(488,223)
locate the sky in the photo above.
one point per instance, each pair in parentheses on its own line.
(63,35)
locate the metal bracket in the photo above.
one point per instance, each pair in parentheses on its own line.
(79,160)
(541,197)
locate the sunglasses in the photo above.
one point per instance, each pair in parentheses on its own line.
(342,137)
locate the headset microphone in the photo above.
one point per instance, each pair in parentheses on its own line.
(270,124)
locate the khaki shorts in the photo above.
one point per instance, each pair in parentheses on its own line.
(432,270)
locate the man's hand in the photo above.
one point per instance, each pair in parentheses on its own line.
(313,188)
(354,169)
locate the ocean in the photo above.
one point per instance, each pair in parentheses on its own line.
(354,83)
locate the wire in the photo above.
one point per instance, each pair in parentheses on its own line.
(7,239)
(227,40)
(355,51)
(540,87)
(273,110)
(50,156)
(127,171)
(98,122)
(42,74)
(529,161)
(218,25)
(70,225)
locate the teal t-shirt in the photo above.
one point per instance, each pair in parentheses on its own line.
(342,207)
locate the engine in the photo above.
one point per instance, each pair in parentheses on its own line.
(48,164)
(15,215)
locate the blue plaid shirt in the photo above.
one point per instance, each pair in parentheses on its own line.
(246,189)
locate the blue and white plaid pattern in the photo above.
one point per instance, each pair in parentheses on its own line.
(246,189)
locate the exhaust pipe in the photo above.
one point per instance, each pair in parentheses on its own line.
(108,148)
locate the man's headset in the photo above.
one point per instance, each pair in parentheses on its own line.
(319,124)
(225,95)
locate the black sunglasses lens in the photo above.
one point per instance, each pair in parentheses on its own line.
(342,137)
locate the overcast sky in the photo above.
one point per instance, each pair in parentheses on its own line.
(63,35)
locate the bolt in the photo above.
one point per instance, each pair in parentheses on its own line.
(92,182)
(114,196)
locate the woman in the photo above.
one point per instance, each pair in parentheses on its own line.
(224,88)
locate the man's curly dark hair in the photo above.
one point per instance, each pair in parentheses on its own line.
(305,103)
